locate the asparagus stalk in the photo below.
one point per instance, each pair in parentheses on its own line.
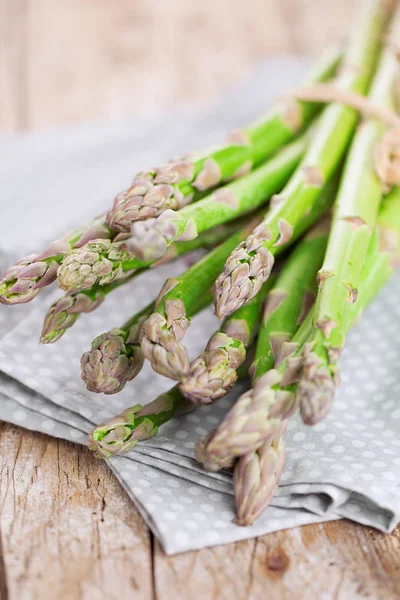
(214,373)
(66,310)
(163,331)
(136,423)
(319,377)
(250,264)
(151,238)
(178,182)
(23,281)
(355,217)
(256,477)
(257,412)
(115,356)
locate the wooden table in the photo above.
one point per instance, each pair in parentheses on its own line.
(68,530)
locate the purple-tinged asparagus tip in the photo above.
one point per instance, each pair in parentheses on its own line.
(151,238)
(210,463)
(97,262)
(316,389)
(22,282)
(256,478)
(253,418)
(161,344)
(121,433)
(213,374)
(64,313)
(110,363)
(243,276)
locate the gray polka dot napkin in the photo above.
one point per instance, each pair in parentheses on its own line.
(347,466)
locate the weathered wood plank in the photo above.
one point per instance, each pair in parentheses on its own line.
(66,524)
(99,59)
(14,40)
(337,560)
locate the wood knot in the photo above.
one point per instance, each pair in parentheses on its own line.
(277,560)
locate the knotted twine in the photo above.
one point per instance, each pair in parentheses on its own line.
(387,150)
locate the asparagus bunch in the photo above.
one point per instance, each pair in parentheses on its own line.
(163,331)
(102,262)
(255,415)
(250,264)
(356,211)
(182,180)
(299,338)
(319,377)
(23,281)
(65,311)
(260,455)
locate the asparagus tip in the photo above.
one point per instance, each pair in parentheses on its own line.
(110,363)
(121,433)
(316,389)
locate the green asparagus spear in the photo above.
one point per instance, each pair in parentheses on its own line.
(255,414)
(319,376)
(250,265)
(180,181)
(256,477)
(135,424)
(356,211)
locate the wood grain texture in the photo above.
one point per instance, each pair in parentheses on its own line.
(70,61)
(67,529)
(66,524)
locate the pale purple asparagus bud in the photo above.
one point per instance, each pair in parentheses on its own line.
(161,341)
(65,311)
(23,281)
(151,238)
(317,387)
(245,271)
(212,465)
(98,262)
(253,418)
(213,374)
(256,477)
(114,359)
(151,193)
(120,434)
